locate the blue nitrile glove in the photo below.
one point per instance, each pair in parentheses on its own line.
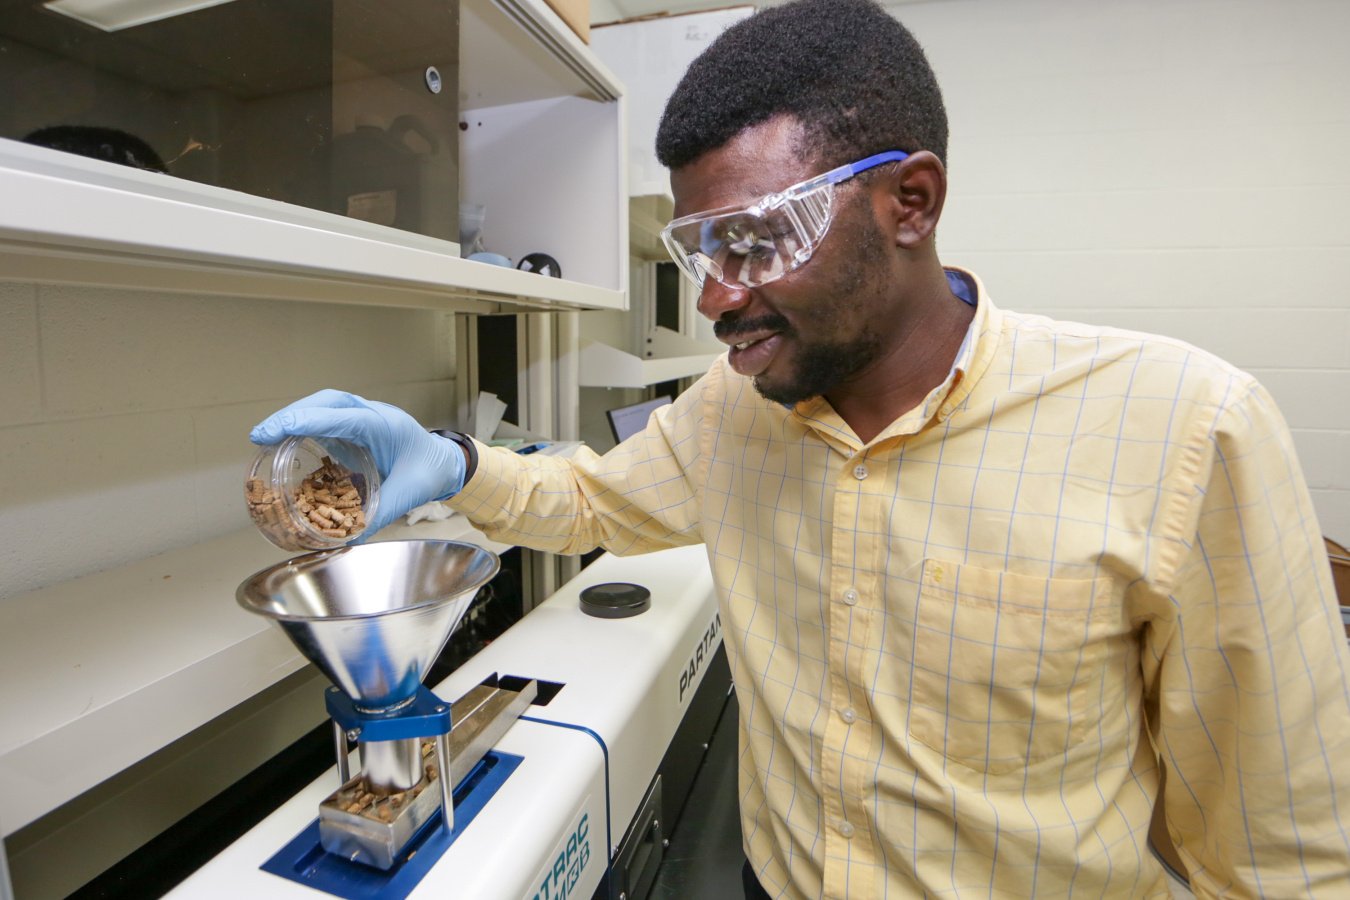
(415,465)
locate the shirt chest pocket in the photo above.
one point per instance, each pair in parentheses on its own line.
(1007,668)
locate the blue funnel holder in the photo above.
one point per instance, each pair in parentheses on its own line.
(426,716)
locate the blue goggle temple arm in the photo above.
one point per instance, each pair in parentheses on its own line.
(834,176)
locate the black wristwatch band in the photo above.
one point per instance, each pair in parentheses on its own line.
(467,443)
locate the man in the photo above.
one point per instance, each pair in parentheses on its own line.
(979,572)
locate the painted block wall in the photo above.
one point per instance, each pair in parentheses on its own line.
(1170,166)
(124,415)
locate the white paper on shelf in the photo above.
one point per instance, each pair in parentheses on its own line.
(487,415)
(512,431)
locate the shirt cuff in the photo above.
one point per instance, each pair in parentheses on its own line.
(490,485)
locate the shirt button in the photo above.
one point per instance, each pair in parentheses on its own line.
(848,715)
(851,597)
(860,472)
(845,830)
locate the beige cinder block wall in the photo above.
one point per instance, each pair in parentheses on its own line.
(1173,166)
(124,415)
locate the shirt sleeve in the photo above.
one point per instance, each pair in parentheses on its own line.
(1252,675)
(639,497)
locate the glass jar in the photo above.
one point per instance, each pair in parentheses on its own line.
(312,493)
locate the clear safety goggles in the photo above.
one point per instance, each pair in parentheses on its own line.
(747,247)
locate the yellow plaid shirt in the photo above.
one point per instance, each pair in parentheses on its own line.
(961,648)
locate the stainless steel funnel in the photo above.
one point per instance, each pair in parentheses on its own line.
(373,618)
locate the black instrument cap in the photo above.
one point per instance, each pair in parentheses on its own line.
(615,600)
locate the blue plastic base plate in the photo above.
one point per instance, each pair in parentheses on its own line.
(304,860)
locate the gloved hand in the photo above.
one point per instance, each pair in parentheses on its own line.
(415,465)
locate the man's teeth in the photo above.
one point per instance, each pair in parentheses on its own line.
(743,344)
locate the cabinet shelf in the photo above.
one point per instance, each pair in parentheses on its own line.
(516,51)
(670,356)
(66,221)
(101,671)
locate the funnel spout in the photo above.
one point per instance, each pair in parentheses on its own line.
(391,766)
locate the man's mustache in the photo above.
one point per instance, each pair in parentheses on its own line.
(725,327)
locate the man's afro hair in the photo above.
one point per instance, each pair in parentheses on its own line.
(854,77)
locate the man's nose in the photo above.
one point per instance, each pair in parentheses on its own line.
(718,299)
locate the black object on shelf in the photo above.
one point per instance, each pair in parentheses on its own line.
(540,263)
(615,600)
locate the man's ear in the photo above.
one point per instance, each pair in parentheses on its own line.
(908,198)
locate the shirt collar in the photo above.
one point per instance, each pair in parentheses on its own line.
(977,348)
(962,361)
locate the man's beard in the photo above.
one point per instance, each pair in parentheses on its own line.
(822,366)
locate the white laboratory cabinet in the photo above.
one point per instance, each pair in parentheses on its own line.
(100,672)
(535,103)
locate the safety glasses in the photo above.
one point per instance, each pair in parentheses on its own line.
(747,247)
